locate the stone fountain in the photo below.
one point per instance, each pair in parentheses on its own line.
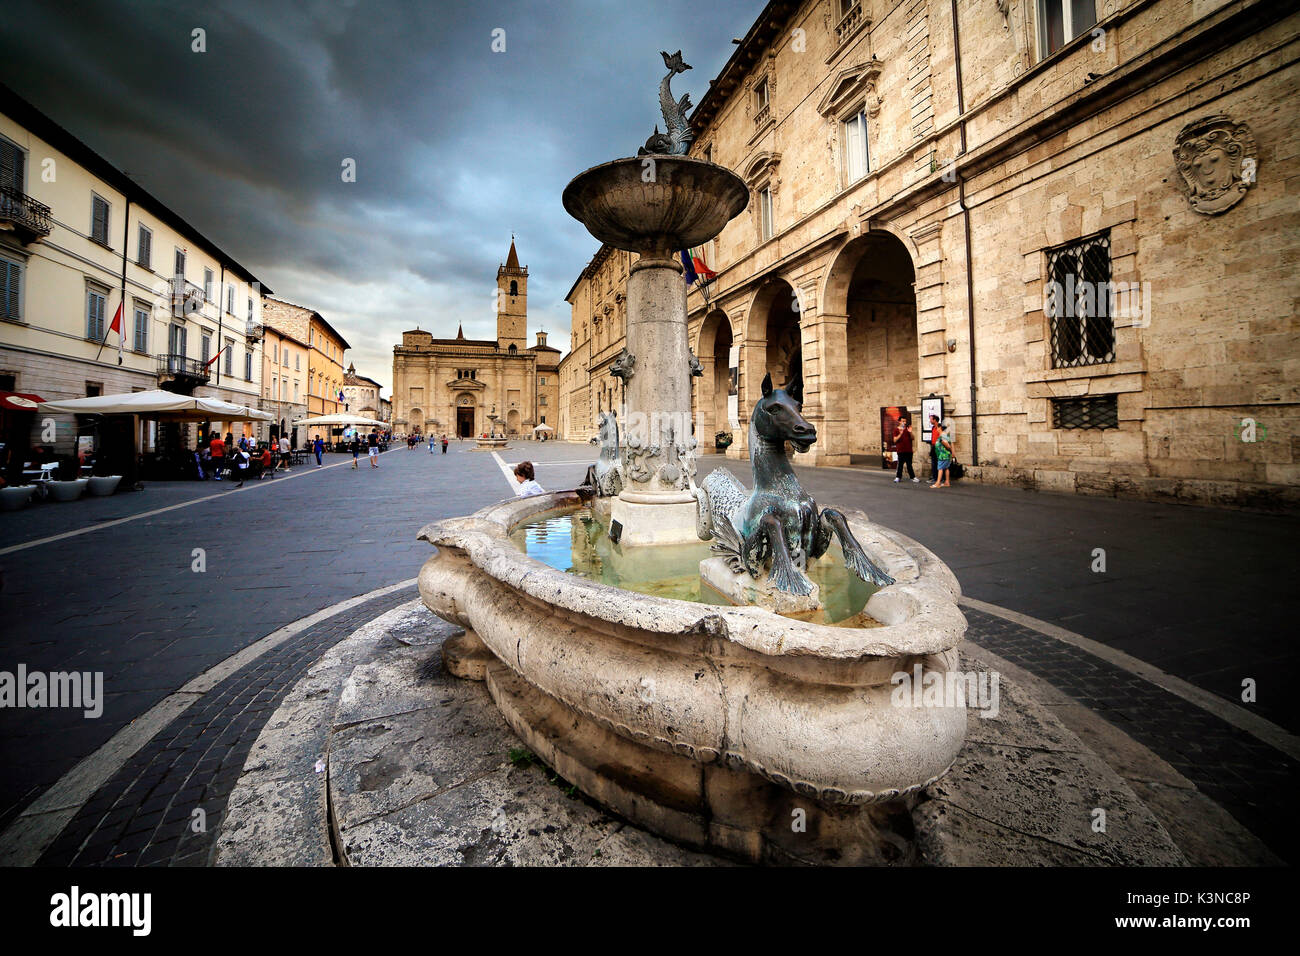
(775,737)
(492,441)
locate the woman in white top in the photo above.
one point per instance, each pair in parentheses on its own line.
(527,486)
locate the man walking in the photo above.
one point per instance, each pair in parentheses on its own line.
(444,443)
(284,453)
(372,441)
(318,446)
(903,449)
(217,449)
(433,440)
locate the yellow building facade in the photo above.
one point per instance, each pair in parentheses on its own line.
(285,364)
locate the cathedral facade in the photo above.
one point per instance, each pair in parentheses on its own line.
(454,386)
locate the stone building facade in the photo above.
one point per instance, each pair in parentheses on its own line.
(598,301)
(361,394)
(325,348)
(1108,188)
(454,385)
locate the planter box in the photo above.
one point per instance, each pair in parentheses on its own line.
(104,485)
(67,490)
(13,498)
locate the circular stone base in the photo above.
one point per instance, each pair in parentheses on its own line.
(466,656)
(705,806)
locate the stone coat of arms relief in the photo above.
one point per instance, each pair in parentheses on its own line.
(1218,162)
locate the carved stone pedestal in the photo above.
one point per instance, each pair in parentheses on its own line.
(466,656)
(742,590)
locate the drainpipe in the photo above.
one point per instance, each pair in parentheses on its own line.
(961,201)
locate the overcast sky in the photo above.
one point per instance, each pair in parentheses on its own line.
(456,146)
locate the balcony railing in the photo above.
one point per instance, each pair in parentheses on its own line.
(180,367)
(24,214)
(848,23)
(187,298)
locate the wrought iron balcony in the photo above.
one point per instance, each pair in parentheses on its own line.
(24,215)
(178,368)
(254,331)
(187,298)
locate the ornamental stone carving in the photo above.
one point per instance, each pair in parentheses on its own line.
(1218,162)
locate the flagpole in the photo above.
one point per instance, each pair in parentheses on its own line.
(126,238)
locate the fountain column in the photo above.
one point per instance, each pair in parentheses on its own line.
(656,506)
(655,206)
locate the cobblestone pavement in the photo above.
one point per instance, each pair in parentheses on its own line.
(1247,777)
(144,815)
(123,598)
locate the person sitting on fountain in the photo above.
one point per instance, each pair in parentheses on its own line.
(527,486)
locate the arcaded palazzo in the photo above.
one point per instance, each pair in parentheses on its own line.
(1070,221)
(453,385)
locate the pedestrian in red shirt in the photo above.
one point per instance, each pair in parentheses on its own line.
(903,449)
(218,450)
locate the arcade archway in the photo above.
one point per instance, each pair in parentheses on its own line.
(715,385)
(872,282)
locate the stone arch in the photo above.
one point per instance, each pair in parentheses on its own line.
(713,388)
(871,283)
(774,322)
(835,284)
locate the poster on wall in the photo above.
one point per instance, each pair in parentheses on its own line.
(930,406)
(733,387)
(889,416)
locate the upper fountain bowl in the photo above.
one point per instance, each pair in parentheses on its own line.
(676,203)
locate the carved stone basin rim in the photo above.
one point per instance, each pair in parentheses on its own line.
(919,613)
(655,203)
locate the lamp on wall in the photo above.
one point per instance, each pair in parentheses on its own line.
(952,345)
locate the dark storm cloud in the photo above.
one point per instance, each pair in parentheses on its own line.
(456,146)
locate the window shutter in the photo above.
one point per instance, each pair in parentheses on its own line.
(10,279)
(11,166)
(99,220)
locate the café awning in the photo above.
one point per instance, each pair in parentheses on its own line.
(160,405)
(20,401)
(341,418)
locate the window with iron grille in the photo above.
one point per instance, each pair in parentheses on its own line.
(1078,303)
(1089,411)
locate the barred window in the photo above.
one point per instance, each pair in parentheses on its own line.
(1077,303)
(1091,411)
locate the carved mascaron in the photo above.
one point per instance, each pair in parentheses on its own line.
(1217,160)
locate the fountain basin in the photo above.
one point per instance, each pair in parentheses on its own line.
(711,725)
(686,202)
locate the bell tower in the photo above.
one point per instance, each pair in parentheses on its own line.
(512,302)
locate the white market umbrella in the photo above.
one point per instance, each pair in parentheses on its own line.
(543,428)
(160,405)
(341,418)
